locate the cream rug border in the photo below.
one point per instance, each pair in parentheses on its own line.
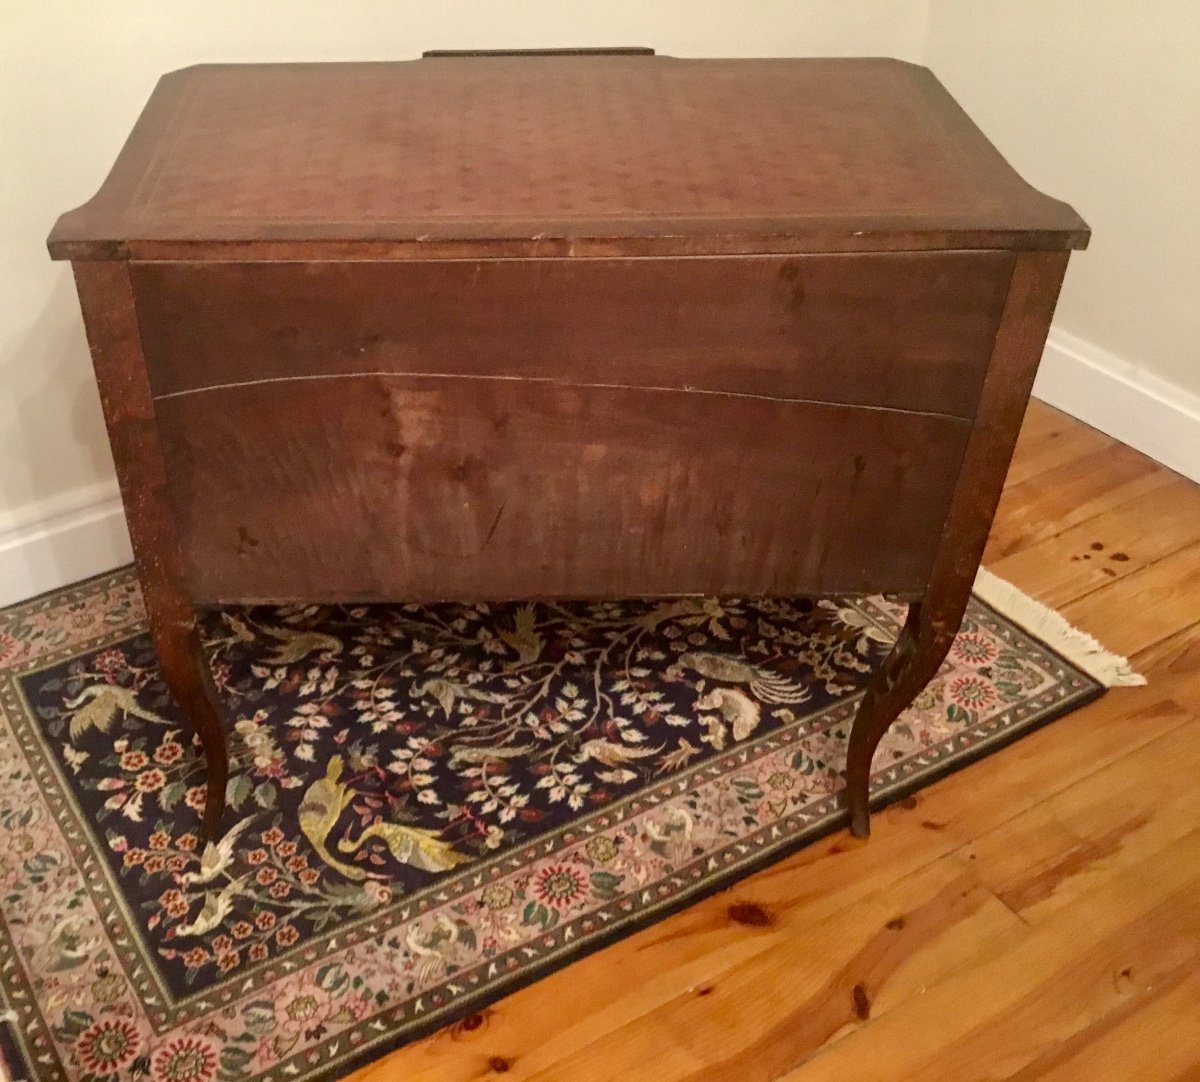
(1055,631)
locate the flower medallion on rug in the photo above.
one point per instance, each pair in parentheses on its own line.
(429,805)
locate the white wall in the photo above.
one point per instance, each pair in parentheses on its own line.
(1099,104)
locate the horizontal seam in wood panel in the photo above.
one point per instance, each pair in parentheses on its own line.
(552,382)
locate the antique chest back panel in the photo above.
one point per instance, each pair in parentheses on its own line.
(562,326)
(722,425)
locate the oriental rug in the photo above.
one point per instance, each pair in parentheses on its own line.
(430,805)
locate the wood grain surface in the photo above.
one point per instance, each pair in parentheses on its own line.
(1032,917)
(597,154)
(432,489)
(906,330)
(570,428)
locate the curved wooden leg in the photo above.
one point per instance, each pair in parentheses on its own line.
(919,651)
(175,630)
(933,623)
(106,296)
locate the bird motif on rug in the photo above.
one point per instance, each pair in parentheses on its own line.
(296,645)
(216,907)
(523,637)
(447,943)
(410,845)
(765,685)
(740,711)
(609,753)
(322,806)
(97,707)
(671,835)
(448,692)
(467,755)
(671,610)
(217,856)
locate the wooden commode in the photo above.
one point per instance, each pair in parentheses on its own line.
(579,325)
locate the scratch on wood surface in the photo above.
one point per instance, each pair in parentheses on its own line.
(495,522)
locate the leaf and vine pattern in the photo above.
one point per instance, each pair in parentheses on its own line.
(425,800)
(374,748)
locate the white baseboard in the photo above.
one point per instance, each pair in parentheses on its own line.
(61,540)
(1158,418)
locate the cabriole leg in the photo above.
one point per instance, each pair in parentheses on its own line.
(915,659)
(176,633)
(106,297)
(934,621)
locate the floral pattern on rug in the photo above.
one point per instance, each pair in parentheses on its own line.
(428,804)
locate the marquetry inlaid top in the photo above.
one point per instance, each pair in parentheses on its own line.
(619,153)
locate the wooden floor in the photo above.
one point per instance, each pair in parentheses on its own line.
(1036,916)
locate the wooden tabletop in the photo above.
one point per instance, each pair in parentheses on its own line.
(557,155)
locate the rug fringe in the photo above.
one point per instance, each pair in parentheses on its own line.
(1040,620)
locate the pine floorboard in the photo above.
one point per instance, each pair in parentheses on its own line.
(1035,916)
